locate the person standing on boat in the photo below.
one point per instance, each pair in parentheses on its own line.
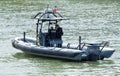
(59,33)
(51,35)
(52,32)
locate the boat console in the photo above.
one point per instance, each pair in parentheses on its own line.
(49,39)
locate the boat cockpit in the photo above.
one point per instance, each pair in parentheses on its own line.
(50,16)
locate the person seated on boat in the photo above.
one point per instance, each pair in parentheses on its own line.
(59,33)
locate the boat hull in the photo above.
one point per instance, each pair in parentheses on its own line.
(71,53)
(30,47)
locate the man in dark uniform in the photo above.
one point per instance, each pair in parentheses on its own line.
(52,36)
(59,33)
(52,33)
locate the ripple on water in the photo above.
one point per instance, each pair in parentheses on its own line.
(95,21)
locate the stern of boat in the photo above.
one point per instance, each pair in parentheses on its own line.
(107,52)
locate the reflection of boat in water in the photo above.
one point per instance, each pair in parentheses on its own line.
(44,46)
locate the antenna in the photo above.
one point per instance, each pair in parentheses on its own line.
(47,11)
(47,7)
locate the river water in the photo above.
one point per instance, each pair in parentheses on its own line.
(94,20)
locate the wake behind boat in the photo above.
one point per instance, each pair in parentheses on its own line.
(50,43)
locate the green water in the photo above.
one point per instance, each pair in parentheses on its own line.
(94,20)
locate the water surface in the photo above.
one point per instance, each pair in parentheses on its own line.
(94,20)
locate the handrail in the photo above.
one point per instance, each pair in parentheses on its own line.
(68,45)
(105,43)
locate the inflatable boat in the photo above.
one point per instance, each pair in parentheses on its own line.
(44,45)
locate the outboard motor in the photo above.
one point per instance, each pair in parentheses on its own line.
(93,51)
